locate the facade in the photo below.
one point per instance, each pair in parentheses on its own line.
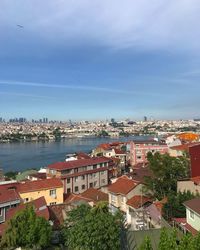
(79,175)
(50,189)
(193,213)
(139,150)
(121,191)
(136,216)
(8,198)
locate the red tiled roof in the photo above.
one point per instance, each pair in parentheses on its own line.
(183,223)
(196,180)
(123,185)
(105,146)
(184,147)
(39,175)
(75,197)
(138,201)
(40,208)
(193,204)
(58,214)
(95,195)
(78,163)
(8,193)
(40,185)
(82,155)
(119,152)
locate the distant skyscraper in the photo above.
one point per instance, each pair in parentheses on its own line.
(145,119)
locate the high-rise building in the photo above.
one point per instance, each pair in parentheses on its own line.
(145,119)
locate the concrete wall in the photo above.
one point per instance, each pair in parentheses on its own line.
(188,186)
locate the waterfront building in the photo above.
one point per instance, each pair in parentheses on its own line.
(140,149)
(79,175)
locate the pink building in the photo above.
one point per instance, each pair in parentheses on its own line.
(139,150)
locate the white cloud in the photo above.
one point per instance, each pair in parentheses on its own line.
(144,24)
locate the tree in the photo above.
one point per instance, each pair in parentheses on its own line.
(174,206)
(166,170)
(169,240)
(92,228)
(146,245)
(27,230)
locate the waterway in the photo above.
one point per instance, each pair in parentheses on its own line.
(26,155)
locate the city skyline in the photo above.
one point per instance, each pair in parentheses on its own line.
(91,61)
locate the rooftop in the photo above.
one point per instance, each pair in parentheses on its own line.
(31,186)
(193,204)
(78,163)
(123,185)
(138,201)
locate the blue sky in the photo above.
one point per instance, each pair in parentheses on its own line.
(100,59)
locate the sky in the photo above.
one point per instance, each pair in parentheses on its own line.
(100,59)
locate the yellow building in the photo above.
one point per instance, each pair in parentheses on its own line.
(50,189)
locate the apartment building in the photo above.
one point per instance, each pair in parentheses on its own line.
(79,175)
(50,189)
(140,149)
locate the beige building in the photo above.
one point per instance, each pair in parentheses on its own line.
(50,189)
(192,185)
(79,175)
(121,191)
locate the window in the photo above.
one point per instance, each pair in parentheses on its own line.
(191,214)
(52,203)
(95,166)
(123,199)
(102,172)
(95,183)
(94,175)
(26,199)
(103,181)
(76,189)
(76,170)
(52,192)
(113,198)
(83,187)
(139,157)
(52,171)
(91,185)
(68,190)
(68,180)
(83,177)
(76,179)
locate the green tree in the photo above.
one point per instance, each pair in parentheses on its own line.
(27,230)
(168,240)
(174,206)
(166,170)
(92,228)
(146,245)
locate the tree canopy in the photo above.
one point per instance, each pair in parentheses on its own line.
(166,170)
(27,230)
(174,206)
(92,228)
(169,240)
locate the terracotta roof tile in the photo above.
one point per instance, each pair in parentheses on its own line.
(40,185)
(78,163)
(138,201)
(123,185)
(95,195)
(8,193)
